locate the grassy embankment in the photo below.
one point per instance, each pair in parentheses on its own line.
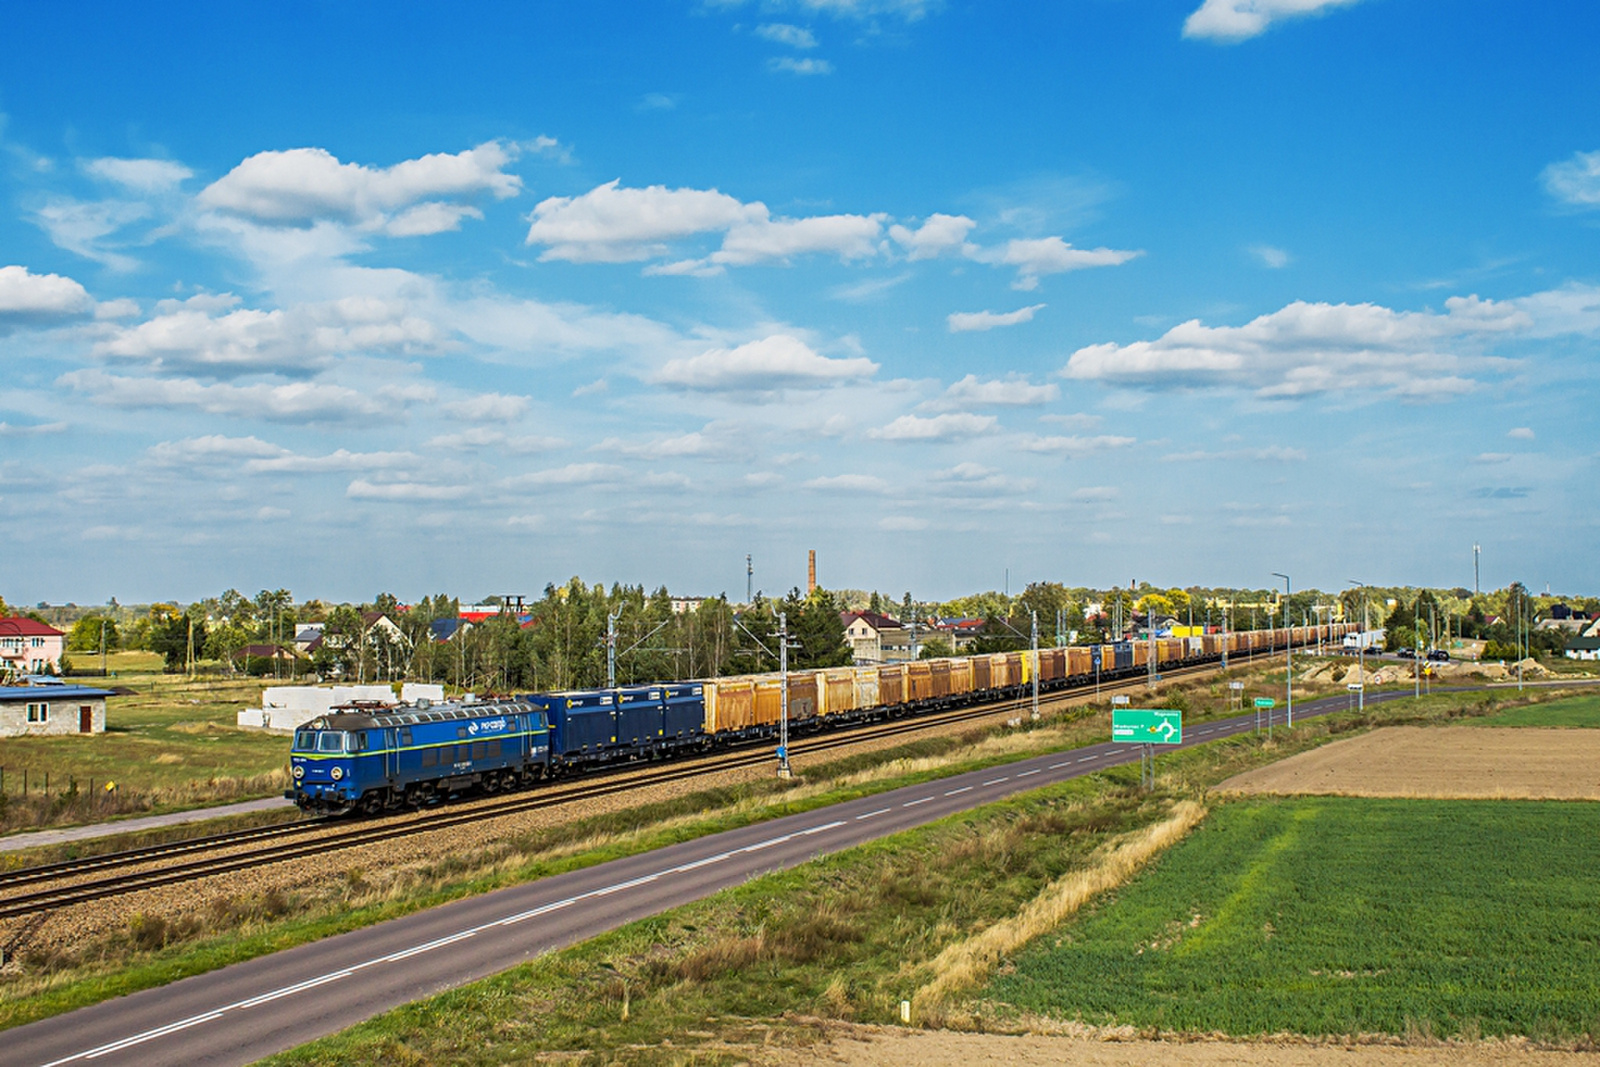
(850,936)
(170,744)
(159,949)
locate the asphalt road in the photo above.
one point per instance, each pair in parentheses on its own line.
(242,1013)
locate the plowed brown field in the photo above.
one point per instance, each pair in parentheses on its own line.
(1464,762)
(887,1047)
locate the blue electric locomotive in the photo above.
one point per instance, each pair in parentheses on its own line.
(374,760)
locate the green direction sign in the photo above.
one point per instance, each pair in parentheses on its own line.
(1147,726)
(1266,702)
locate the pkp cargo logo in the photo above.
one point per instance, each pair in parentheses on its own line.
(488,726)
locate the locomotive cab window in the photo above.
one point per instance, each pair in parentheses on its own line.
(305,740)
(330,741)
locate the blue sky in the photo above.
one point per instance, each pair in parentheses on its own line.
(349,297)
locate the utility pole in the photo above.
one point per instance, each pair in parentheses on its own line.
(783,682)
(1035,615)
(1361,646)
(1288,649)
(749,579)
(611,648)
(1475,590)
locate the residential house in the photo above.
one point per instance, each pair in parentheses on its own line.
(875,638)
(29,647)
(30,710)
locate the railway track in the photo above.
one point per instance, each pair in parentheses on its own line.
(203,857)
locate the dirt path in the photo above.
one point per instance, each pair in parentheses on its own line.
(1440,761)
(863,1046)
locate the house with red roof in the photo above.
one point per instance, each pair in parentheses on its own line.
(30,647)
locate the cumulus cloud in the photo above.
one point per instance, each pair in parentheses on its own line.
(1074,444)
(28,299)
(783,33)
(776,362)
(489,407)
(211,449)
(1271,454)
(571,474)
(478,438)
(802,67)
(909,10)
(1237,20)
(1305,348)
(300,186)
(698,443)
(1521,433)
(1038,256)
(969,321)
(341,460)
(1575,181)
(937,234)
(139,175)
(999,392)
(404,492)
(296,402)
(936,428)
(849,483)
(615,224)
(193,337)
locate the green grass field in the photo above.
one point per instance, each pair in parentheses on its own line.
(172,742)
(1341,915)
(1581,711)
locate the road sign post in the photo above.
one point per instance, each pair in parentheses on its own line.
(1265,704)
(1147,728)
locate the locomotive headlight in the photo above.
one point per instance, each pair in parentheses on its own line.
(299,770)
(338,773)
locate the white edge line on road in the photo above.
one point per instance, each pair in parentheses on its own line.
(129,1042)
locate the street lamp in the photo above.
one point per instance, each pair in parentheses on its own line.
(1361,647)
(1288,650)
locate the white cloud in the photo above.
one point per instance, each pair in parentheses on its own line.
(1035,257)
(341,460)
(1237,20)
(1074,445)
(139,175)
(698,443)
(190,337)
(1305,349)
(999,392)
(79,227)
(614,224)
(968,321)
(267,513)
(657,102)
(212,449)
(28,299)
(1521,433)
(802,67)
(776,362)
(783,33)
(571,474)
(849,483)
(937,234)
(300,186)
(937,428)
(361,489)
(1271,453)
(1075,421)
(1276,258)
(296,402)
(489,407)
(1575,180)
(474,438)
(868,289)
(33,430)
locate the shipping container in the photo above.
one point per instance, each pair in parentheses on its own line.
(836,691)
(892,684)
(1079,662)
(940,680)
(982,674)
(919,681)
(866,683)
(961,676)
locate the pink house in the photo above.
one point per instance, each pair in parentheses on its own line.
(28,647)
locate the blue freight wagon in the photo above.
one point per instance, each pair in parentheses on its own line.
(593,726)
(412,755)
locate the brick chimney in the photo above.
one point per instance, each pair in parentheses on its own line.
(811,573)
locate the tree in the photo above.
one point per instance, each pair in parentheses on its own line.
(180,637)
(87,632)
(936,648)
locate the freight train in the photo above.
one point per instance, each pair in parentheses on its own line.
(376,758)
